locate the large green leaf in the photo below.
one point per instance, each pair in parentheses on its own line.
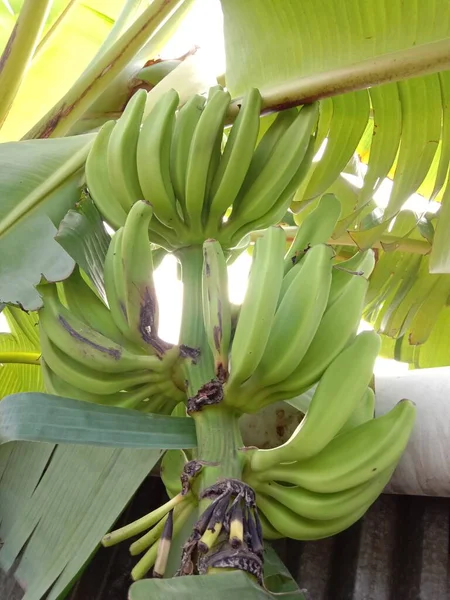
(203,587)
(39,181)
(56,503)
(20,370)
(45,418)
(276,43)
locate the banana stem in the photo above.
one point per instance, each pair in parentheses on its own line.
(192,327)
(20,358)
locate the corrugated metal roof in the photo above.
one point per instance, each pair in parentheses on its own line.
(398,551)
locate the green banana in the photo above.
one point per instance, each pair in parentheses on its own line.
(363,412)
(172,465)
(265,148)
(290,524)
(235,161)
(258,309)
(216,306)
(297,317)
(315,229)
(84,303)
(83,343)
(323,507)
(354,457)
(279,170)
(337,327)
(114,283)
(185,124)
(153,160)
(88,379)
(121,155)
(141,304)
(137,399)
(340,389)
(97,178)
(204,151)
(362,263)
(234,231)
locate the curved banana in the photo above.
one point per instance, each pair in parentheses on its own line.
(216,306)
(362,263)
(265,148)
(135,399)
(258,309)
(97,179)
(297,318)
(172,464)
(84,344)
(114,283)
(121,155)
(88,379)
(279,169)
(185,124)
(235,161)
(364,411)
(84,303)
(335,398)
(141,304)
(337,327)
(234,231)
(204,154)
(153,160)
(315,229)
(293,526)
(354,457)
(323,507)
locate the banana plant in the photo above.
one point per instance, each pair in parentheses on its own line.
(174,159)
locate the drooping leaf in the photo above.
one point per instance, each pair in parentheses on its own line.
(83,236)
(56,503)
(281,43)
(45,418)
(39,181)
(20,370)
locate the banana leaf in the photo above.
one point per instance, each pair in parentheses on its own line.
(404,135)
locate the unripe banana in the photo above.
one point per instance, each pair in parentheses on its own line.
(364,411)
(121,155)
(354,457)
(185,124)
(292,525)
(141,304)
(258,309)
(88,379)
(84,344)
(336,397)
(323,507)
(98,182)
(297,318)
(216,306)
(337,327)
(236,159)
(204,152)
(362,263)
(153,160)
(315,229)
(279,170)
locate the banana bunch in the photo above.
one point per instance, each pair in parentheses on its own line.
(193,174)
(317,485)
(300,312)
(111,354)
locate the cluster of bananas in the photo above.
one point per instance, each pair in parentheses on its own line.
(192,173)
(298,326)
(111,354)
